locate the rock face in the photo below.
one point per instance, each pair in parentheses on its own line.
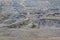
(15,13)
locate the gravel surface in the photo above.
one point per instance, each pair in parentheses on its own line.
(29,34)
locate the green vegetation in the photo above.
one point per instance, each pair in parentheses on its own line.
(22,24)
(33,25)
(6,16)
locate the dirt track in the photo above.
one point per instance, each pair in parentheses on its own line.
(30,34)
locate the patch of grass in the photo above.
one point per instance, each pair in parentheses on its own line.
(33,25)
(6,16)
(22,24)
(18,25)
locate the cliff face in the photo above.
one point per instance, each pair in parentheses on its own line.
(17,12)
